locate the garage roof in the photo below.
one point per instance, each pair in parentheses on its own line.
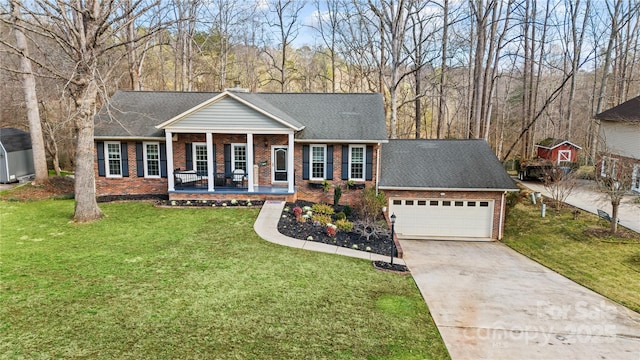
(442,164)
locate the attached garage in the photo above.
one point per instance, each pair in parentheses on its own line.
(443,218)
(444,189)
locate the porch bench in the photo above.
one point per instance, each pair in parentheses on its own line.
(605,216)
(185,178)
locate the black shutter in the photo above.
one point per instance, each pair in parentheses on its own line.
(100,151)
(330,162)
(227,160)
(125,159)
(369,175)
(305,162)
(188,151)
(163,160)
(345,162)
(139,159)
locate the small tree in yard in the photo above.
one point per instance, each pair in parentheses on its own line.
(559,184)
(371,204)
(614,179)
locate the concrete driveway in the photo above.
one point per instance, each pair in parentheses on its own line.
(490,302)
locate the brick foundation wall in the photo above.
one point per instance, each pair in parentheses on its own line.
(462,195)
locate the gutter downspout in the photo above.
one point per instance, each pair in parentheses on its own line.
(378,166)
(502,215)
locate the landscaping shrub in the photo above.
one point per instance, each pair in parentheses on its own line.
(344,225)
(322,209)
(347,210)
(323,219)
(371,204)
(337,194)
(341,216)
(332,230)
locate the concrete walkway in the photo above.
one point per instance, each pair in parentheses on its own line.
(266,226)
(490,302)
(586,197)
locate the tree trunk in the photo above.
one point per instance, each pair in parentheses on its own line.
(614,215)
(443,69)
(31,100)
(85,190)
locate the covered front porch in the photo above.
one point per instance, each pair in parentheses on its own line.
(228,146)
(244,166)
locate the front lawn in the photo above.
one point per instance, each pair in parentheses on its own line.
(577,249)
(157,283)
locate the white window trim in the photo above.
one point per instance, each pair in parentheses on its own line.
(107,168)
(568,152)
(233,155)
(145,158)
(364,162)
(635,183)
(273,163)
(324,175)
(194,154)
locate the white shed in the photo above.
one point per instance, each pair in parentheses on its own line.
(16,156)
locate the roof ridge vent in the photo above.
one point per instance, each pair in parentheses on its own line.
(236,88)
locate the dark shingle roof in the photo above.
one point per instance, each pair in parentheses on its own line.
(324,116)
(136,113)
(333,116)
(442,164)
(627,111)
(14,139)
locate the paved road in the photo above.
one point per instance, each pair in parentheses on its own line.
(585,196)
(490,302)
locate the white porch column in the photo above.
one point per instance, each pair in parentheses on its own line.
(210,170)
(290,172)
(250,161)
(169,145)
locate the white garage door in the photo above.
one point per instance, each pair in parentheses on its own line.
(442,218)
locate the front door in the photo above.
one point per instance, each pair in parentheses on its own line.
(279,161)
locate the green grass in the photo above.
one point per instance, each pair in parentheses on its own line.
(609,265)
(155,283)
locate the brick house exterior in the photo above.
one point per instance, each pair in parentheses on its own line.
(237,145)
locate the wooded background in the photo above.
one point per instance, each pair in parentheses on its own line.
(513,72)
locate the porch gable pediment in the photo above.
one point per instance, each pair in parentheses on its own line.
(228,113)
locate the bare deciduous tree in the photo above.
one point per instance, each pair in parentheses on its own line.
(559,183)
(84,31)
(30,96)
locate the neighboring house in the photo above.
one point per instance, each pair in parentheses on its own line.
(620,139)
(284,146)
(16,156)
(560,152)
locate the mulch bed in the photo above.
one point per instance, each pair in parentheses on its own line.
(396,268)
(289,226)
